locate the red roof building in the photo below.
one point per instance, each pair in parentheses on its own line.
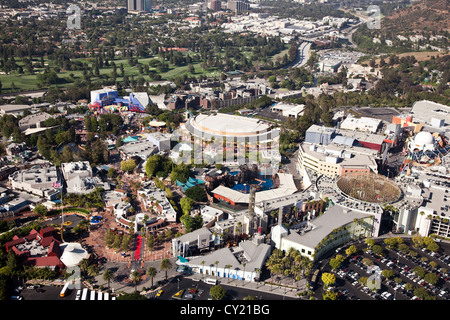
(39,249)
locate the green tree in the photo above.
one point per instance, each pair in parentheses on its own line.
(217,292)
(40,209)
(165,265)
(186,205)
(151,272)
(128,165)
(196,193)
(328,279)
(387,273)
(135,277)
(330,295)
(350,250)
(431,278)
(419,271)
(108,275)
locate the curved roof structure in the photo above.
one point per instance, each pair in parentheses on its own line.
(230,126)
(423,138)
(347,141)
(423,141)
(72,254)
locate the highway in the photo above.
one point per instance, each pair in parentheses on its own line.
(302,55)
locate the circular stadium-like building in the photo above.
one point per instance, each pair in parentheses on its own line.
(228,127)
(369,187)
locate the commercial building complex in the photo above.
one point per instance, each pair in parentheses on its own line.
(334,160)
(228,139)
(108,100)
(39,181)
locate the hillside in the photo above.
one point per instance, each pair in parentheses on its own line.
(426,15)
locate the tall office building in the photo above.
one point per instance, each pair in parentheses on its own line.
(139,5)
(238,6)
(215,5)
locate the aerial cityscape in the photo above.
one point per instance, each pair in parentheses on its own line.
(233,150)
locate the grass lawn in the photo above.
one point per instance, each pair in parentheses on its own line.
(29,82)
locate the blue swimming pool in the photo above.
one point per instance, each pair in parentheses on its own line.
(245,188)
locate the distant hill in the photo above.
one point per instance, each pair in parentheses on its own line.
(426,15)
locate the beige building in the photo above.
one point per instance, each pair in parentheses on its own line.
(333,160)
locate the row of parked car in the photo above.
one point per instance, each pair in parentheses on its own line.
(353,277)
(408,272)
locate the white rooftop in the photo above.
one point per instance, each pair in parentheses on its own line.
(229,124)
(361,124)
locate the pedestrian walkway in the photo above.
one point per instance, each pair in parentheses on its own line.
(285,289)
(146,282)
(263,286)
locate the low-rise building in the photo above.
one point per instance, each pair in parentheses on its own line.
(40,181)
(160,140)
(313,238)
(243,262)
(289,110)
(141,148)
(14,109)
(335,159)
(80,169)
(364,124)
(33,121)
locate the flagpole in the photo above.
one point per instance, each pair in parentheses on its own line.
(55,185)
(62,215)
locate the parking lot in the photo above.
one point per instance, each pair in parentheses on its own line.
(40,292)
(192,288)
(408,273)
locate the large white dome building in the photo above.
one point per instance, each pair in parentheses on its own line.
(423,141)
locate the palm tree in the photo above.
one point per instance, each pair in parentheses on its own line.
(216,263)
(165,265)
(108,275)
(84,265)
(243,275)
(277,270)
(257,270)
(135,278)
(151,272)
(92,270)
(229,269)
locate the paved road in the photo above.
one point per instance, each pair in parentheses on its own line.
(236,290)
(302,54)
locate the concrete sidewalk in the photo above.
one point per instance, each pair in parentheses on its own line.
(128,287)
(287,290)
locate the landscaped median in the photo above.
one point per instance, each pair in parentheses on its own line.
(71,210)
(179,294)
